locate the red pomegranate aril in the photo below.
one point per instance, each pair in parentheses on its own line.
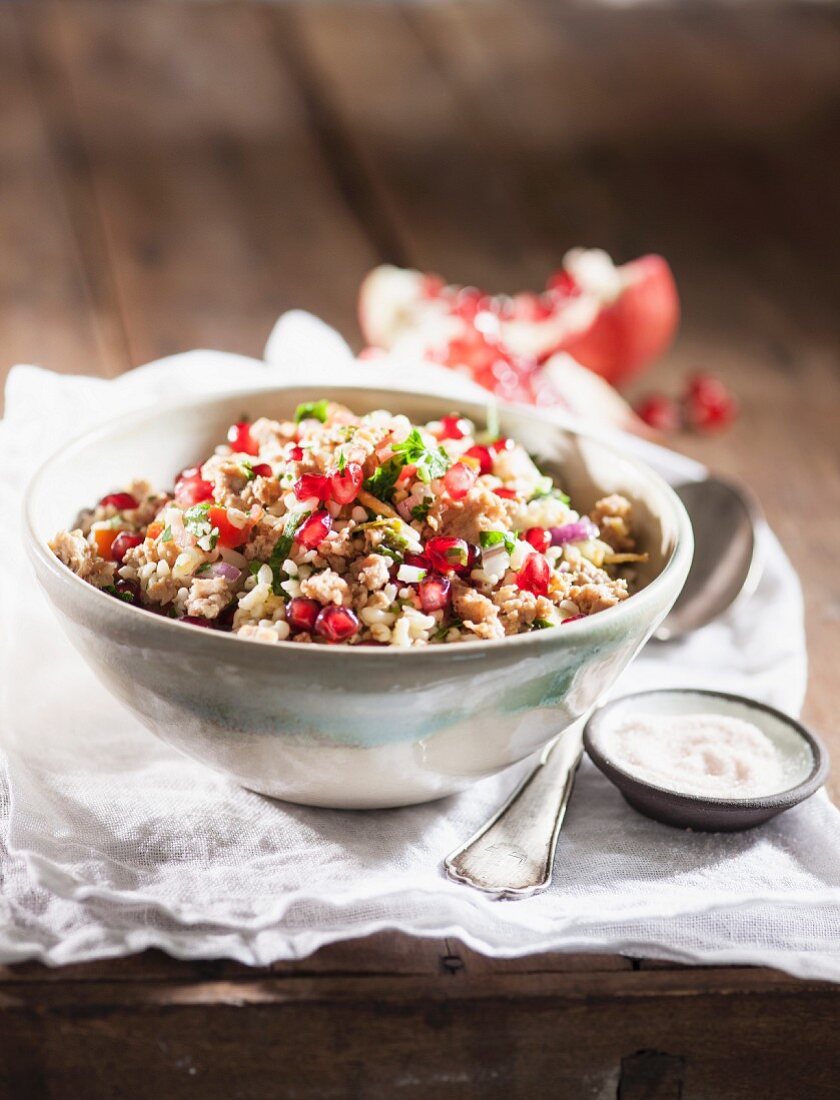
(123,502)
(196,620)
(503,443)
(127,591)
(435,593)
(562,283)
(452,427)
(240,439)
(315,530)
(336,624)
(539,538)
(709,406)
(659,412)
(302,613)
(346,483)
(506,494)
(534,576)
(296,454)
(420,561)
(262,469)
(124,542)
(572,619)
(447,554)
(473,556)
(459,479)
(482,456)
(312,487)
(191,488)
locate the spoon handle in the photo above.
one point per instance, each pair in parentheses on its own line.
(512,855)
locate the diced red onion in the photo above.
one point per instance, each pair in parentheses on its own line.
(580,531)
(222,569)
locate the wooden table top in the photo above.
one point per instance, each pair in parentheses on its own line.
(176,175)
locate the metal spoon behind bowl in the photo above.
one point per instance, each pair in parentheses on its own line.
(512,855)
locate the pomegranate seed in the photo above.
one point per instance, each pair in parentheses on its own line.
(124,542)
(123,502)
(482,456)
(459,479)
(128,591)
(239,437)
(262,469)
(659,412)
(473,554)
(315,530)
(296,454)
(346,483)
(572,619)
(191,488)
(302,613)
(539,538)
(562,283)
(506,494)
(195,620)
(534,575)
(312,486)
(709,405)
(503,443)
(448,554)
(434,593)
(418,560)
(336,624)
(451,427)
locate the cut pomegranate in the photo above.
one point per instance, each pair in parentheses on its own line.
(534,576)
(452,427)
(482,456)
(660,412)
(435,593)
(240,439)
(123,502)
(312,487)
(262,469)
(191,488)
(539,538)
(346,483)
(336,624)
(302,613)
(459,479)
(447,554)
(124,542)
(315,530)
(709,406)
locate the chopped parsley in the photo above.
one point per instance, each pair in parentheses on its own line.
(282,549)
(166,534)
(253,567)
(342,462)
(441,633)
(497,538)
(247,469)
(541,624)
(421,511)
(383,479)
(312,410)
(547,489)
(112,590)
(197,522)
(431,462)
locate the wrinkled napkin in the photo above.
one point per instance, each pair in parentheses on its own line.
(112,842)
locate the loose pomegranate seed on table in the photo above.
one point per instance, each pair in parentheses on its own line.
(539,538)
(314,530)
(534,576)
(709,406)
(240,439)
(660,412)
(124,542)
(435,593)
(459,479)
(345,484)
(123,502)
(312,487)
(447,554)
(336,624)
(301,613)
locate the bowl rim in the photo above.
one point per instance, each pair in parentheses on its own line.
(539,639)
(783,799)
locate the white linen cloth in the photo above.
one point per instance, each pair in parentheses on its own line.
(114,842)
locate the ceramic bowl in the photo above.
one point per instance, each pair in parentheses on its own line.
(340,726)
(807,757)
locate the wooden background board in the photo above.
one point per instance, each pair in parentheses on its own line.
(175,175)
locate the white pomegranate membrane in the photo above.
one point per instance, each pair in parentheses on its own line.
(333,528)
(711,755)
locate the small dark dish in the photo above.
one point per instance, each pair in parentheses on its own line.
(699,812)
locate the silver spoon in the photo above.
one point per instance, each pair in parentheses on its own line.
(512,855)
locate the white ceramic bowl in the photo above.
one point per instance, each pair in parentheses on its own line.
(339,726)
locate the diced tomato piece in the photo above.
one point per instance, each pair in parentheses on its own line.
(315,530)
(230,535)
(406,474)
(104,537)
(346,483)
(459,479)
(240,439)
(191,488)
(534,576)
(123,502)
(539,538)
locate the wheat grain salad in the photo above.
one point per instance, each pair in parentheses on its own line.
(363,530)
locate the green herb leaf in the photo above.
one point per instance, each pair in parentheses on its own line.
(383,479)
(541,624)
(247,469)
(254,567)
(497,538)
(431,462)
(342,462)
(166,534)
(312,410)
(282,549)
(421,511)
(112,590)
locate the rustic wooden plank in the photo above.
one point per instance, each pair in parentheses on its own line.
(462,958)
(51,311)
(216,206)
